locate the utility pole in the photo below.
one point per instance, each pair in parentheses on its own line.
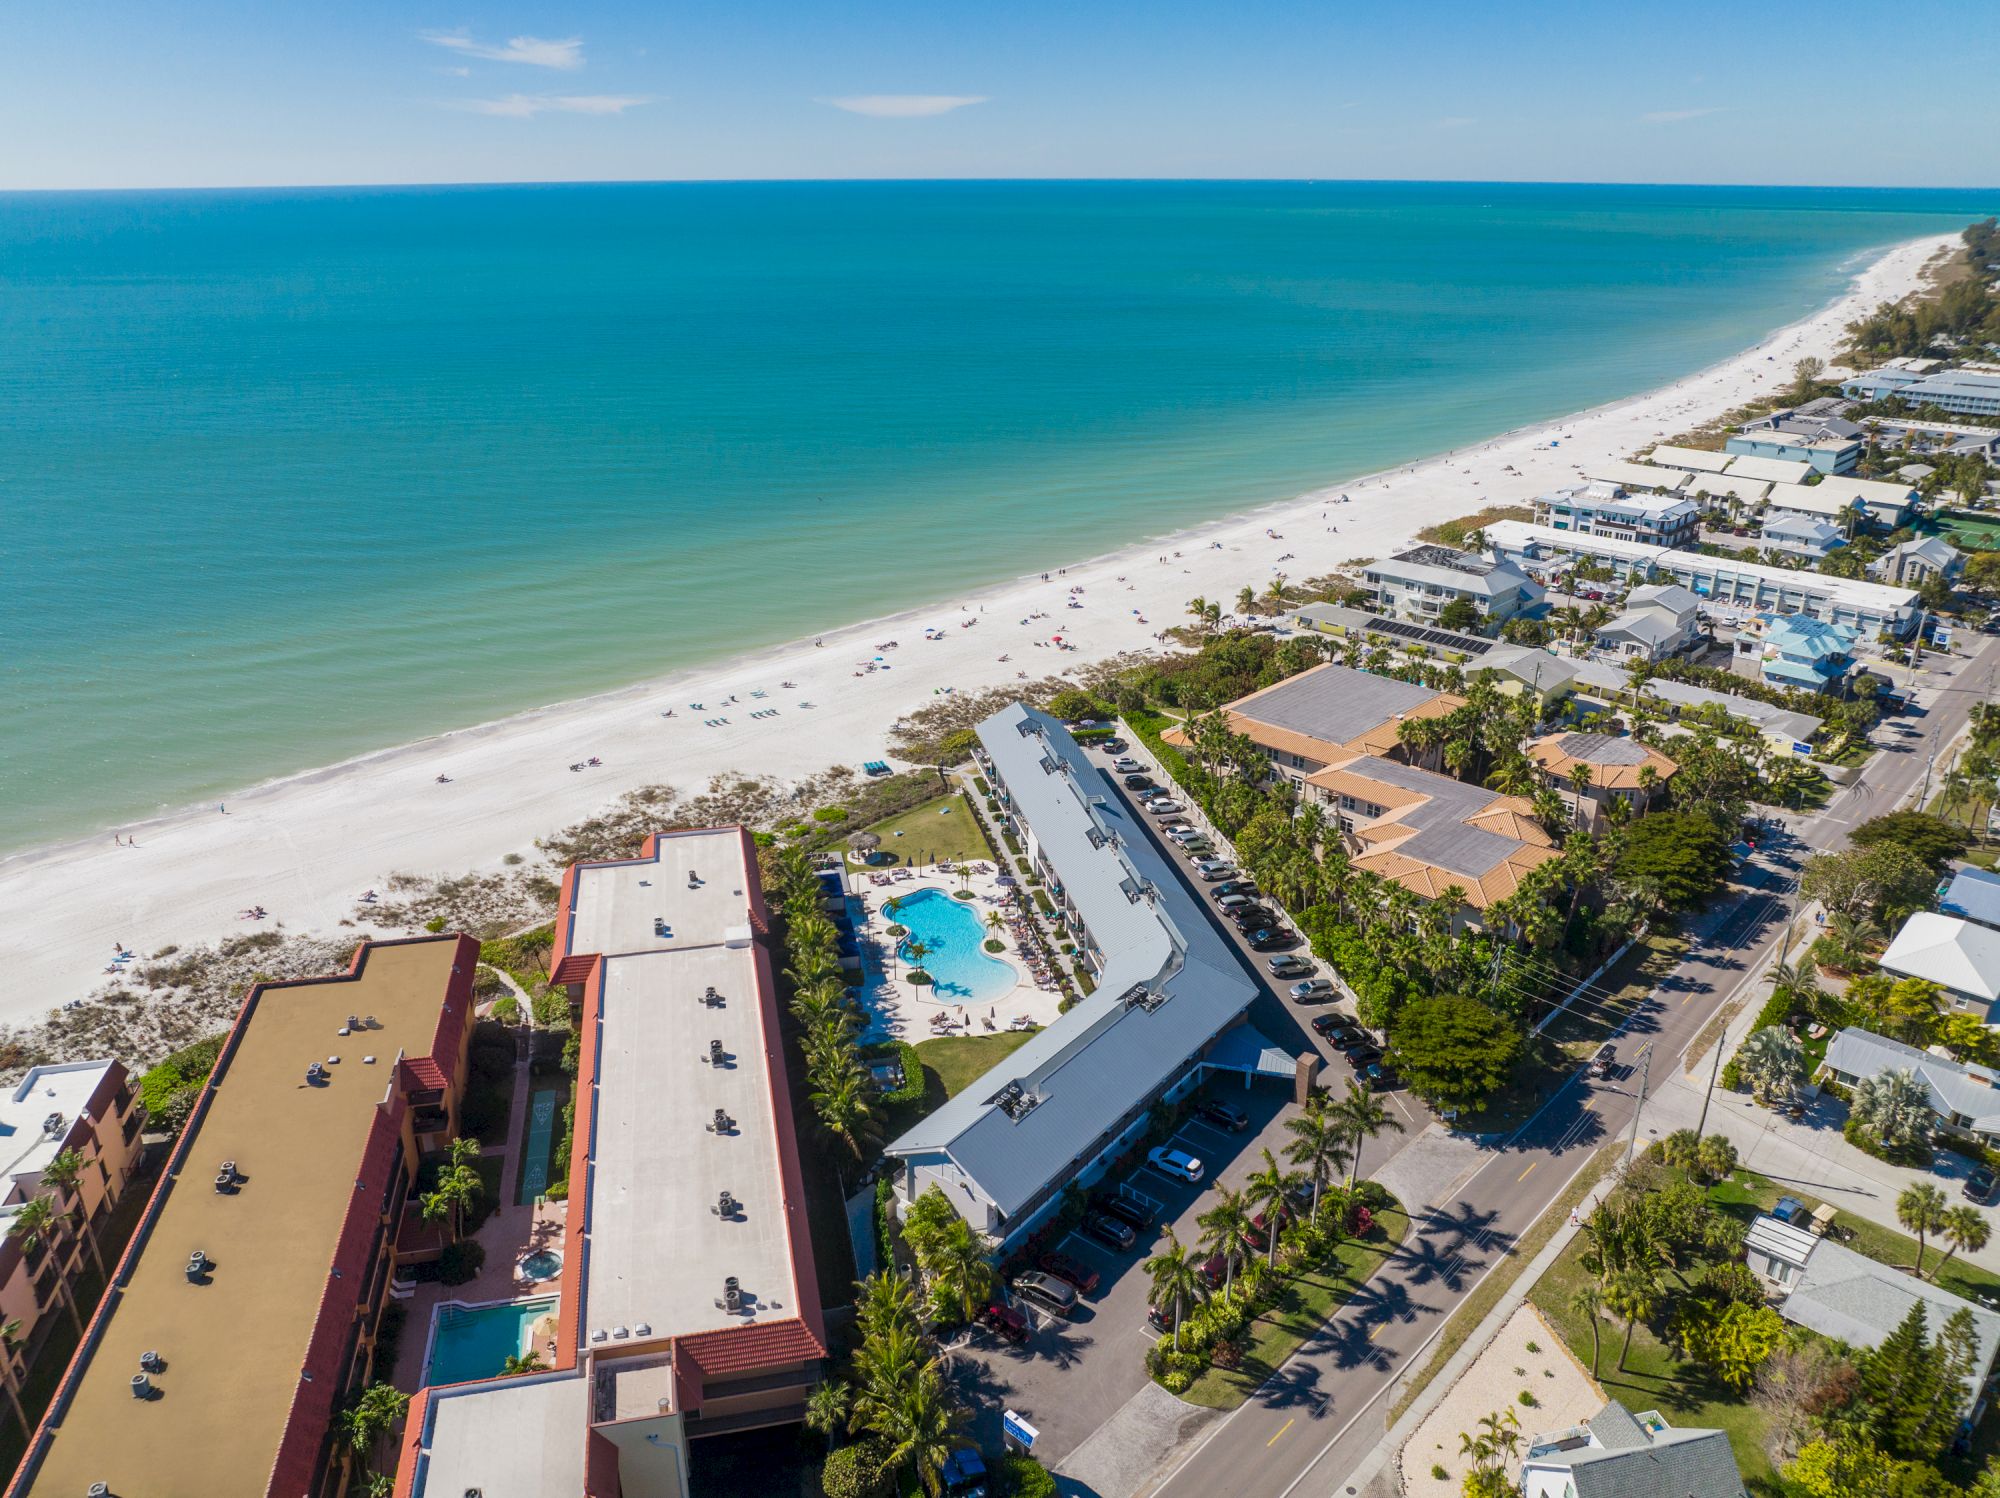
(1645,1072)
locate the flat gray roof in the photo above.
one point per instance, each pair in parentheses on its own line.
(521,1438)
(1334,703)
(1443,838)
(1168,985)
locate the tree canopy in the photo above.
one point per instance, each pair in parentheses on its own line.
(1452,1050)
(1934,840)
(1683,855)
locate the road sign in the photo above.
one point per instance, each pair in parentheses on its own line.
(1018,1430)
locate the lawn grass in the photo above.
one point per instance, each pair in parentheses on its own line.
(959,1060)
(1302,1308)
(1477,1306)
(942,828)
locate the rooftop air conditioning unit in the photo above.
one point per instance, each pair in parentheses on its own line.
(732,1294)
(142,1386)
(315,1074)
(99,1490)
(53,1126)
(152,1362)
(727,1206)
(715,1053)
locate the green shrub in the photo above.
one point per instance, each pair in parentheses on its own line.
(1528,1400)
(994,944)
(1732,1075)
(857,1471)
(885,1222)
(171,1089)
(461,1262)
(436,924)
(1019,1475)
(389,1334)
(507,1009)
(551,1008)
(1438,1473)
(830,814)
(557,1191)
(979,784)
(1013,845)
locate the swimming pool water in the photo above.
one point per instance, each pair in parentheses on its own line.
(953,937)
(469,1342)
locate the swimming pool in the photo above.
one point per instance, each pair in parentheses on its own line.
(469,1342)
(953,937)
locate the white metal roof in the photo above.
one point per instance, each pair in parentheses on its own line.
(1695,459)
(1961,955)
(1637,475)
(1777,470)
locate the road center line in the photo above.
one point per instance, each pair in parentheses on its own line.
(1526,1173)
(1281,1430)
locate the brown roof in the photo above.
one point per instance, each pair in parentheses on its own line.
(1560,753)
(255,1356)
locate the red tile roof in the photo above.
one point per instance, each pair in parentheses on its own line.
(738,1349)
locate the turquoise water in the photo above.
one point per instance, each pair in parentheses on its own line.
(542,1107)
(954,937)
(292,475)
(469,1342)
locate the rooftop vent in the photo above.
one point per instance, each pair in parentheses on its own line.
(142,1386)
(727,1207)
(723,1123)
(713,999)
(1049,766)
(694,880)
(715,1053)
(152,1362)
(53,1126)
(1139,996)
(198,1266)
(225,1177)
(474,1493)
(732,1294)
(99,1490)
(315,1075)
(1016,1101)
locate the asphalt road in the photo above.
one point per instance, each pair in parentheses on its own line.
(1318,1418)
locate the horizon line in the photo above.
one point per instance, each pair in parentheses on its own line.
(995,180)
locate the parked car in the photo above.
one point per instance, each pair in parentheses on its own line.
(964,1475)
(1127,766)
(1126,1209)
(1213,869)
(1183,832)
(1600,1063)
(1138,782)
(1252,917)
(1215,1269)
(1063,1267)
(1164,806)
(1255,1232)
(1006,1323)
(1224,1116)
(1109,1231)
(1047,1293)
(1272,940)
(1235,887)
(1334,1029)
(1979,1184)
(1378,1078)
(1291,965)
(1361,1054)
(1162,1317)
(1176,1163)
(1313,991)
(1198,848)
(1113,745)
(1229,903)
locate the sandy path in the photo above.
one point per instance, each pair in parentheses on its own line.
(306,846)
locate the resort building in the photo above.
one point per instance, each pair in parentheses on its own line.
(1884,504)
(1802,652)
(1613,768)
(1724,582)
(1696,460)
(84,1107)
(1973,895)
(1327,714)
(1805,536)
(1958,391)
(1077,1094)
(1851,1298)
(1782,473)
(1731,494)
(1642,476)
(1830,444)
(1965,1097)
(1598,508)
(1815,502)
(1961,957)
(1659,620)
(1605,687)
(688,1300)
(1915,563)
(1514,669)
(1420,582)
(246,1308)
(1616,1454)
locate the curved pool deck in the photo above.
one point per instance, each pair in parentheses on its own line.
(954,938)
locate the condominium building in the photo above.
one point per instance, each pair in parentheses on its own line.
(1963,392)
(1420,582)
(1598,508)
(688,1301)
(1805,536)
(86,1108)
(1916,562)
(1829,444)
(245,1310)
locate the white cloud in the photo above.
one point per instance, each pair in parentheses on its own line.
(527,106)
(456,72)
(1675,116)
(904,106)
(565,55)
(1456,121)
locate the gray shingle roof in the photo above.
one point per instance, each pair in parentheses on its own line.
(1853,1299)
(1634,1462)
(1974,895)
(1334,703)
(1777,720)
(1955,1088)
(1443,838)
(1964,957)
(1098,1061)
(1602,748)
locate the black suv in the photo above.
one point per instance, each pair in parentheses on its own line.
(1125,1209)
(1270,940)
(1109,1231)
(1225,1116)
(1138,782)
(1979,1185)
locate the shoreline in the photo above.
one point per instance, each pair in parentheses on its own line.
(306,844)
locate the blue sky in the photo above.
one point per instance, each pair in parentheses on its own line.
(266,92)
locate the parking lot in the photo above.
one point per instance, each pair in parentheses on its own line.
(1072,1375)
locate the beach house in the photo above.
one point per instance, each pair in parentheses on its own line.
(1617,1454)
(86,1113)
(1659,620)
(1805,536)
(1973,895)
(1604,686)
(1885,504)
(1916,562)
(688,1304)
(1421,582)
(1596,769)
(246,1310)
(1962,957)
(1829,444)
(1170,993)
(1965,1097)
(1601,508)
(1793,650)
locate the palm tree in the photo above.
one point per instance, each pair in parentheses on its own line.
(915,951)
(1579,779)
(1630,1294)
(61,1175)
(1268,1190)
(362,1423)
(1319,1144)
(1588,1302)
(1223,1228)
(922,1429)
(826,1410)
(1176,1280)
(1365,1116)
(1963,1227)
(1921,1208)
(888,1363)
(1893,1106)
(960,1272)
(1512,775)
(10,1342)
(1772,1061)
(526,1362)
(842,1104)
(35,1223)
(459,1184)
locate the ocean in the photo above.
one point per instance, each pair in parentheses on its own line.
(287,476)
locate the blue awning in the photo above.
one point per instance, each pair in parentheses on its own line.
(1245,1048)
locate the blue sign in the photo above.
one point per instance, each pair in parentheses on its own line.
(1798,748)
(1017,1429)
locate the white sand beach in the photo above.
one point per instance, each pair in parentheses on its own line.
(303,848)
